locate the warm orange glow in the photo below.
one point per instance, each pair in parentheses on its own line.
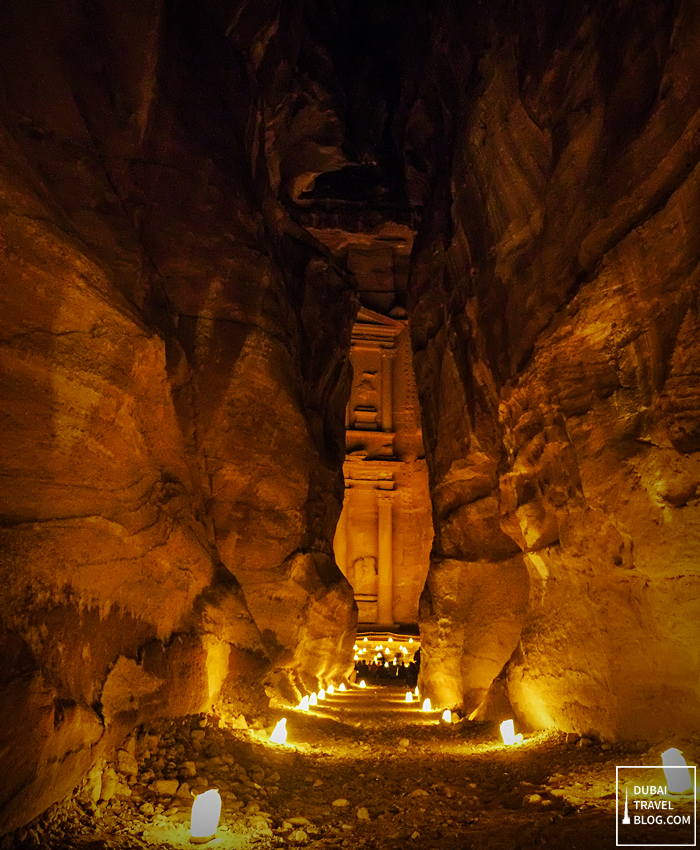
(206,811)
(508,733)
(416,691)
(321,694)
(341,686)
(409,696)
(363,684)
(331,688)
(426,705)
(304,704)
(313,699)
(447,715)
(279,735)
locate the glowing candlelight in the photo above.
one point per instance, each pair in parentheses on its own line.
(409,696)
(206,811)
(279,734)
(363,684)
(676,771)
(365,640)
(356,657)
(508,733)
(321,694)
(341,686)
(355,647)
(304,704)
(410,640)
(426,705)
(331,688)
(313,699)
(447,715)
(416,692)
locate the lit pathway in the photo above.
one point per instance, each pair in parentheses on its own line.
(366,770)
(425,783)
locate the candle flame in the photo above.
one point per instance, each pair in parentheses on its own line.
(447,715)
(313,699)
(341,686)
(304,704)
(321,694)
(426,705)
(363,684)
(409,696)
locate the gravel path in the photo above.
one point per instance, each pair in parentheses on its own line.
(364,769)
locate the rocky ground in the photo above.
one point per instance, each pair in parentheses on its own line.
(364,769)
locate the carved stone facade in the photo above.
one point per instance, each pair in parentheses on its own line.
(385,532)
(384,535)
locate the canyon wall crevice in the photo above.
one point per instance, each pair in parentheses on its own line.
(552,334)
(174,354)
(175,345)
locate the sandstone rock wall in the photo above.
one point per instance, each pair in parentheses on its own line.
(174,353)
(555,288)
(174,386)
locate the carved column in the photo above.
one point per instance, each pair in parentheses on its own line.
(385,566)
(387,393)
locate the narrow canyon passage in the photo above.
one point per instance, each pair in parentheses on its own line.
(362,769)
(327,326)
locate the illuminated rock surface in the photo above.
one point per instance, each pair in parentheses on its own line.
(555,324)
(344,776)
(174,360)
(175,339)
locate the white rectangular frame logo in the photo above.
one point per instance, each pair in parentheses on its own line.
(617,804)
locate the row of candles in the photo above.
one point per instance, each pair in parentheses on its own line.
(379,649)
(206,809)
(279,735)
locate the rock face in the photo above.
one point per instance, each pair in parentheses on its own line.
(555,328)
(175,348)
(174,379)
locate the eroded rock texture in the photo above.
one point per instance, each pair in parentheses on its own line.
(174,362)
(175,355)
(555,328)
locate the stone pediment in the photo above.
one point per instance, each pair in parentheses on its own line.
(371,317)
(373,327)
